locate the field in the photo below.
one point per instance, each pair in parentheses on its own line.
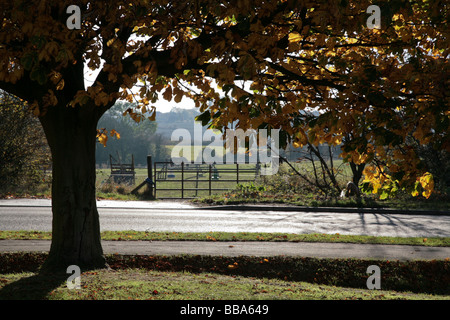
(226,187)
(197,181)
(192,181)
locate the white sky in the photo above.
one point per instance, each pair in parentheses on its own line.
(162,105)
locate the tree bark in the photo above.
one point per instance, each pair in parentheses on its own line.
(71,134)
(357,171)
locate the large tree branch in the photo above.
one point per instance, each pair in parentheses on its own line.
(305,80)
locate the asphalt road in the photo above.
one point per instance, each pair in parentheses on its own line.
(180,217)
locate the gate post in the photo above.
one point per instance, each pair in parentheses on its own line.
(150,176)
(210,172)
(182,180)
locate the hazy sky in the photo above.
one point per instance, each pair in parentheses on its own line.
(161,105)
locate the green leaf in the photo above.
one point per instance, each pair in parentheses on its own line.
(366,187)
(384,194)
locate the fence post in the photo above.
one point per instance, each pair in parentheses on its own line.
(237,173)
(210,172)
(156,177)
(182,180)
(150,175)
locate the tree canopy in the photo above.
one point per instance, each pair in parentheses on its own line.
(258,62)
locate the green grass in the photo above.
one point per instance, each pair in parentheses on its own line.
(187,277)
(240,236)
(136,284)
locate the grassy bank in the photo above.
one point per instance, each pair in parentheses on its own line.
(238,278)
(239,236)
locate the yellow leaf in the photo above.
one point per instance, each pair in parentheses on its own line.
(102,138)
(294,37)
(60,85)
(376,186)
(233,266)
(427,184)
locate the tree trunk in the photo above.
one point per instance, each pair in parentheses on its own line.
(71,134)
(357,171)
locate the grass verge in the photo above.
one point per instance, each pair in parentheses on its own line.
(311,200)
(239,236)
(239,278)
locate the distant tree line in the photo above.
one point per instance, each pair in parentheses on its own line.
(136,139)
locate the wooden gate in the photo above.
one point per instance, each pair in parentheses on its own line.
(122,172)
(191,180)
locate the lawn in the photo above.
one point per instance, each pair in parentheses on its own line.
(220,278)
(137,284)
(186,277)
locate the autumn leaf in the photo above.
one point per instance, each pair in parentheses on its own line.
(102,138)
(427,184)
(153,115)
(168,93)
(115,133)
(60,85)
(294,37)
(233,266)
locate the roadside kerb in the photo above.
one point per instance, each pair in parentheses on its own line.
(176,205)
(323,209)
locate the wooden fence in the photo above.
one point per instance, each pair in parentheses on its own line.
(189,180)
(167,180)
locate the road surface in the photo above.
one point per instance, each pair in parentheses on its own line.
(180,217)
